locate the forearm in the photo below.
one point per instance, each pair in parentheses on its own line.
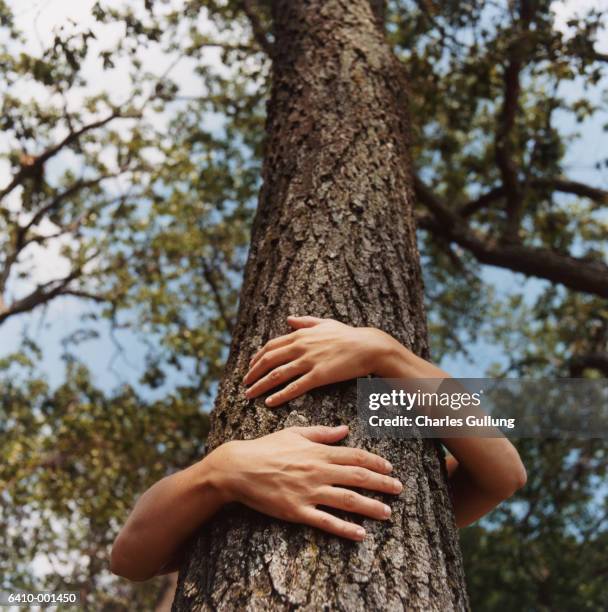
(396,361)
(163,519)
(483,471)
(470,501)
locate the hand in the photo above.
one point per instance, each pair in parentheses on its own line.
(319,352)
(288,473)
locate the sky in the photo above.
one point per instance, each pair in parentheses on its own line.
(37,19)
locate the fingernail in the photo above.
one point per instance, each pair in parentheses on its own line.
(388,466)
(360,532)
(397,486)
(269,400)
(387,511)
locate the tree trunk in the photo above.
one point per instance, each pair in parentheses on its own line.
(333,237)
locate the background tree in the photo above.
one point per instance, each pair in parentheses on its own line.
(187,146)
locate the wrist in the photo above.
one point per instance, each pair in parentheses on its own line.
(215,474)
(390,358)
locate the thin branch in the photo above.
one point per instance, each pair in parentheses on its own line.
(226,46)
(567,186)
(22,241)
(41,295)
(593,361)
(600,57)
(31,169)
(503,150)
(208,276)
(86,295)
(57,200)
(259,34)
(560,184)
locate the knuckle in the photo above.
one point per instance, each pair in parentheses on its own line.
(314,374)
(349,499)
(275,374)
(311,466)
(332,455)
(361,477)
(360,457)
(325,521)
(305,362)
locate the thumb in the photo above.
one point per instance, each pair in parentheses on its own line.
(300,322)
(323,434)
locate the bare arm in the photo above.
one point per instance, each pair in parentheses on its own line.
(483,471)
(165,516)
(286,475)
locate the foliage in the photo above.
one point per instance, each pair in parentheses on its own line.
(547,549)
(74,459)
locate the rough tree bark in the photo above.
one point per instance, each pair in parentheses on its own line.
(333,237)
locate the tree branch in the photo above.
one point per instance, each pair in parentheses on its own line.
(85,295)
(560,184)
(567,186)
(470,208)
(56,201)
(575,273)
(45,292)
(22,241)
(40,295)
(20,238)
